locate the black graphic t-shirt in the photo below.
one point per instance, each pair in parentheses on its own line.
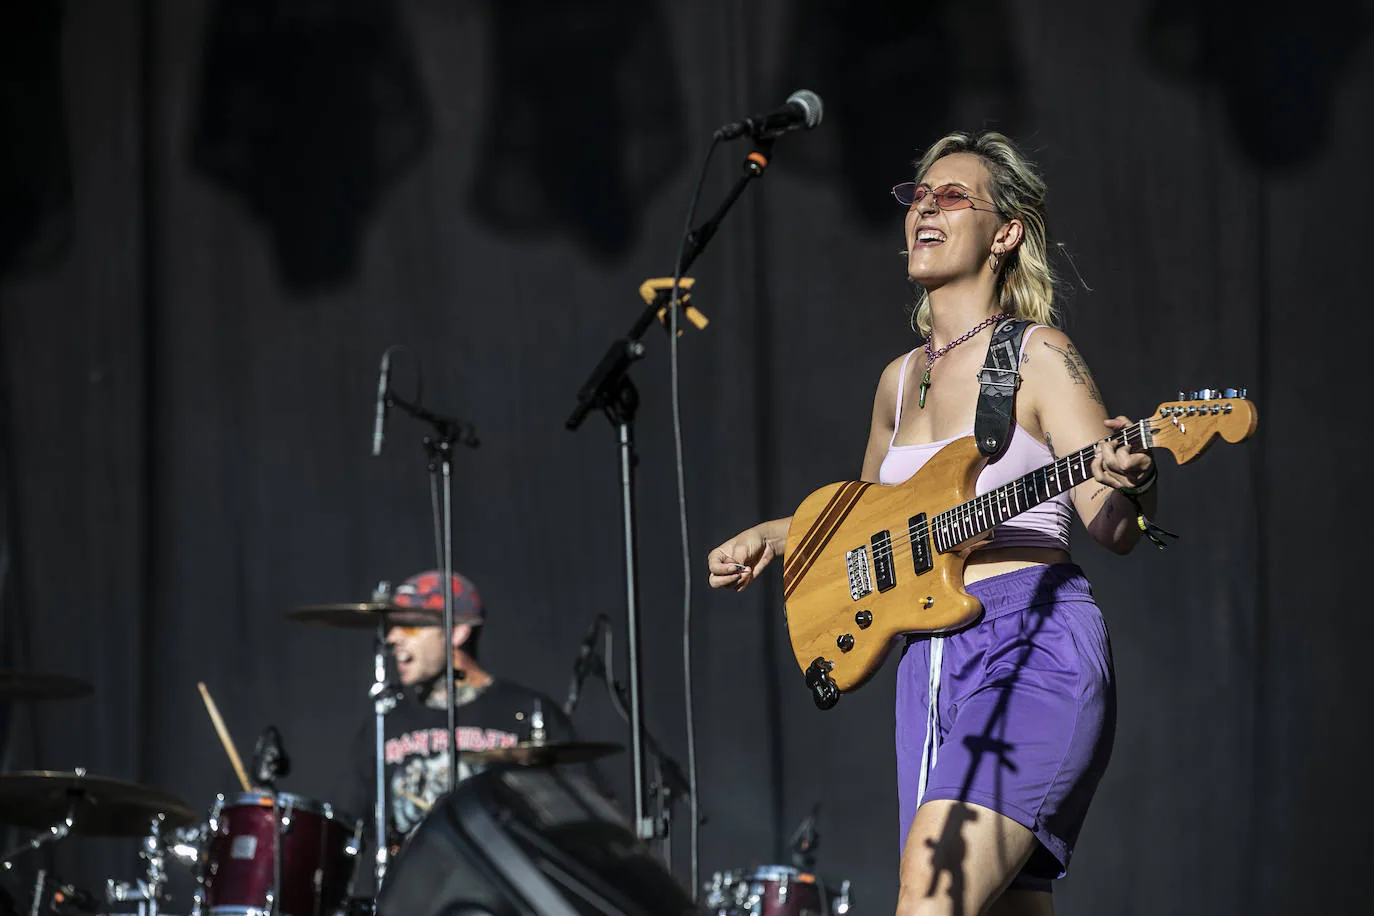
(416,755)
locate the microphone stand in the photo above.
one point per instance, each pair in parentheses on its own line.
(669,782)
(610,389)
(448,432)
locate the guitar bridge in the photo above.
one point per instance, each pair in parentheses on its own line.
(860,573)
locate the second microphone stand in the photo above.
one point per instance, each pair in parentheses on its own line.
(439,450)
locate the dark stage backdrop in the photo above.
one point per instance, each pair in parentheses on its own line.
(217,213)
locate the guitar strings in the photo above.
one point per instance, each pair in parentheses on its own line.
(956,516)
(969,511)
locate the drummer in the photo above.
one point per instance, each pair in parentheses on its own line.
(491,712)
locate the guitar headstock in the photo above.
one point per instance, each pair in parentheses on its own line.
(1187,427)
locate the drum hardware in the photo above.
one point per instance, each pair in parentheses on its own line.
(384,696)
(150,890)
(32,686)
(774,890)
(309,869)
(52,895)
(668,784)
(365,615)
(76,803)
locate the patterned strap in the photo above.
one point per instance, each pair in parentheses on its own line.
(997,383)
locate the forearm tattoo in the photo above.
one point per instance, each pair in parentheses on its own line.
(1077,369)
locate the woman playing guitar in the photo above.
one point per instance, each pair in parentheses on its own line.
(1004,727)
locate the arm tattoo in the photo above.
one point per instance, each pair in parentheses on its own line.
(1049,444)
(1100,491)
(1078,370)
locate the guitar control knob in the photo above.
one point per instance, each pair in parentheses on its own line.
(845,642)
(930,602)
(864,619)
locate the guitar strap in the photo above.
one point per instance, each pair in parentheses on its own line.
(997,383)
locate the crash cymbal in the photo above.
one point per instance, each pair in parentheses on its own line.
(99,806)
(526,754)
(30,685)
(363,615)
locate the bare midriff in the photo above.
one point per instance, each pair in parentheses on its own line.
(994,561)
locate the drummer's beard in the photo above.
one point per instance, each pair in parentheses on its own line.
(430,692)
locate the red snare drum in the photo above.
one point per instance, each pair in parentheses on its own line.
(319,850)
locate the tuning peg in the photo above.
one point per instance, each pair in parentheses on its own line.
(1182,395)
(1205,394)
(1242,393)
(1192,395)
(1229,393)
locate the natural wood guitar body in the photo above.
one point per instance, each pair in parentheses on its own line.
(867,563)
(842,517)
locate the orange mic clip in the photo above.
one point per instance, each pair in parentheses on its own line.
(660,290)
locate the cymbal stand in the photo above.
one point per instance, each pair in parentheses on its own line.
(147,892)
(384,699)
(58,831)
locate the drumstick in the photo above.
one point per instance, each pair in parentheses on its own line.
(224,737)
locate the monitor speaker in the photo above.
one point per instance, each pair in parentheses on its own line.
(513,841)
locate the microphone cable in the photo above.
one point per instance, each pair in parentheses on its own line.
(676,399)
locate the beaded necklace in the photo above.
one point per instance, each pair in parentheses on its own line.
(932,356)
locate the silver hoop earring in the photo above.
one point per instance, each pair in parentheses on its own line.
(992,262)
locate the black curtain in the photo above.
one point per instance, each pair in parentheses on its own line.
(242,204)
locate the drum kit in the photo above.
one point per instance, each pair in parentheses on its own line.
(262,852)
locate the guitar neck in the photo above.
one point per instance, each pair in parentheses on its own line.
(981,514)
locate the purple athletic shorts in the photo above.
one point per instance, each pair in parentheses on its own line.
(1027,711)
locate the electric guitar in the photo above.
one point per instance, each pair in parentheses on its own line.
(866,562)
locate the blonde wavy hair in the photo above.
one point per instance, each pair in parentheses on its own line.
(1025,282)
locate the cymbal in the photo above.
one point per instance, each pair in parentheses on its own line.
(363,615)
(100,806)
(30,685)
(526,754)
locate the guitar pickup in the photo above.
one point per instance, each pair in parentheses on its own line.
(919,533)
(860,577)
(884,570)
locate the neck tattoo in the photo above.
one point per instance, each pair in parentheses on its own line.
(933,355)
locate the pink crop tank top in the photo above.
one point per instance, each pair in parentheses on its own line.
(1045,525)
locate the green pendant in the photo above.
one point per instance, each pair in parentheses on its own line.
(925,383)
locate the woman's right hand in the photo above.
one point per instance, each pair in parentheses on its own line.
(736,562)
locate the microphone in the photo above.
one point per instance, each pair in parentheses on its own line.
(380,422)
(269,758)
(803,109)
(586,656)
(805,840)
